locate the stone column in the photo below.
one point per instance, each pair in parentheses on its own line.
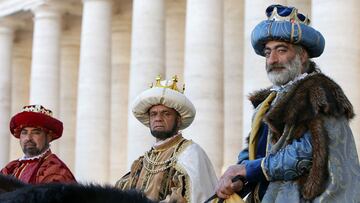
(69,67)
(233,78)
(304,7)
(204,75)
(6,45)
(121,38)
(20,81)
(339,24)
(44,87)
(175,37)
(254,65)
(147,61)
(93,106)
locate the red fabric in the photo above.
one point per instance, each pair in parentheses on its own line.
(47,169)
(34,119)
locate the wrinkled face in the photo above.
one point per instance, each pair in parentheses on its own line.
(34,141)
(283,62)
(164,122)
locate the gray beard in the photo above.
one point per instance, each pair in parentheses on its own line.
(291,71)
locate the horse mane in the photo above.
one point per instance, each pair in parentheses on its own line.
(15,191)
(10,183)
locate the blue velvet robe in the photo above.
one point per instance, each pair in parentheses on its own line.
(288,164)
(278,165)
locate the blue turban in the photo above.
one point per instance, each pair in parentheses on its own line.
(286,24)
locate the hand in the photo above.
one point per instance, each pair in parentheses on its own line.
(226,187)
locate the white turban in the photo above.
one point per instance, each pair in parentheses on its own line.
(167,97)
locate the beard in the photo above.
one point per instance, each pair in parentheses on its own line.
(30,149)
(291,71)
(162,135)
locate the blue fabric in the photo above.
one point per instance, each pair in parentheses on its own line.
(253,168)
(343,167)
(254,172)
(291,161)
(288,164)
(283,11)
(281,29)
(261,146)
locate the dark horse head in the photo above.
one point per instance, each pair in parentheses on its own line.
(15,191)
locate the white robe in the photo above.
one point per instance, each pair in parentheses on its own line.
(196,164)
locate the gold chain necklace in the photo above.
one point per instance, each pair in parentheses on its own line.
(168,163)
(158,163)
(153,171)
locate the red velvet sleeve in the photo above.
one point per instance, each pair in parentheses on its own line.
(54,170)
(10,167)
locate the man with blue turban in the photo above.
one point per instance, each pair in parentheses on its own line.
(300,147)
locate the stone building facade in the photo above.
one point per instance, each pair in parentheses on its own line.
(87,60)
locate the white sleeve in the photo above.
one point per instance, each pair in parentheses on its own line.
(200,171)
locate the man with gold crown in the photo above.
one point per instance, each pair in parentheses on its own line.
(300,148)
(174,169)
(36,128)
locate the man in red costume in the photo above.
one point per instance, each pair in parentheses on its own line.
(35,127)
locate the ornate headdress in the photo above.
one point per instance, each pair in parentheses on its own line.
(167,93)
(286,24)
(36,116)
(164,84)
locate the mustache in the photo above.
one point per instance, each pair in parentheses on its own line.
(29,143)
(270,67)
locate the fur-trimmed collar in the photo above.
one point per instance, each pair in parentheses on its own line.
(303,108)
(316,94)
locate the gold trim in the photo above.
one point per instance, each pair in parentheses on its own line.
(187,182)
(154,171)
(263,170)
(182,170)
(37,109)
(291,17)
(292,32)
(172,86)
(168,144)
(155,163)
(256,124)
(149,163)
(299,33)
(21,170)
(256,195)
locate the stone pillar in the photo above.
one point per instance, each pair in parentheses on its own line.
(339,25)
(204,75)
(93,106)
(147,61)
(254,65)
(121,38)
(175,36)
(70,51)
(20,82)
(44,87)
(233,78)
(304,7)
(6,45)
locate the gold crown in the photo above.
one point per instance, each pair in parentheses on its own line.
(165,84)
(37,109)
(294,16)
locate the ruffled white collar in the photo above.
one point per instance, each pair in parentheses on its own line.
(24,158)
